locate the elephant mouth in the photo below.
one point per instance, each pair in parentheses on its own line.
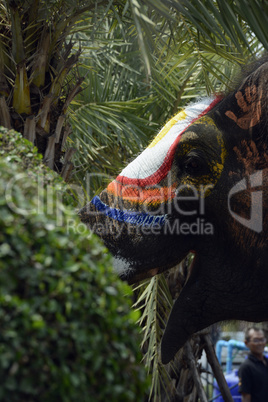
(132,275)
(144,275)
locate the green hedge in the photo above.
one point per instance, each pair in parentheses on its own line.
(67,332)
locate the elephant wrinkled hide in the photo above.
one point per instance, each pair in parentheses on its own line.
(200,187)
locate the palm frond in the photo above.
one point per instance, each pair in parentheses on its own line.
(155,303)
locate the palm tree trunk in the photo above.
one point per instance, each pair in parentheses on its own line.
(37,76)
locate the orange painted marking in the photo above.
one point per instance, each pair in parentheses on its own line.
(136,194)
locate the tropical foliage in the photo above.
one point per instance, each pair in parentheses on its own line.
(144,60)
(67,330)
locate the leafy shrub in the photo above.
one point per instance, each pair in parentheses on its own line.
(67,331)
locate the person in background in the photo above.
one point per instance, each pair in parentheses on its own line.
(253,372)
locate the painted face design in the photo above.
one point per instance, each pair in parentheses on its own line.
(148,182)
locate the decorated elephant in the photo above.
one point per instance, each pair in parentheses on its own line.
(200,187)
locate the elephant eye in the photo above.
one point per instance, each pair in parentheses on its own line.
(195,164)
(192,166)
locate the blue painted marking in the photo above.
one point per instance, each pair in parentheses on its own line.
(135,218)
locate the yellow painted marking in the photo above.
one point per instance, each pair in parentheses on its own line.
(205,120)
(216,166)
(180,116)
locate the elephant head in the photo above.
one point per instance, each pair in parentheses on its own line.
(199,187)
